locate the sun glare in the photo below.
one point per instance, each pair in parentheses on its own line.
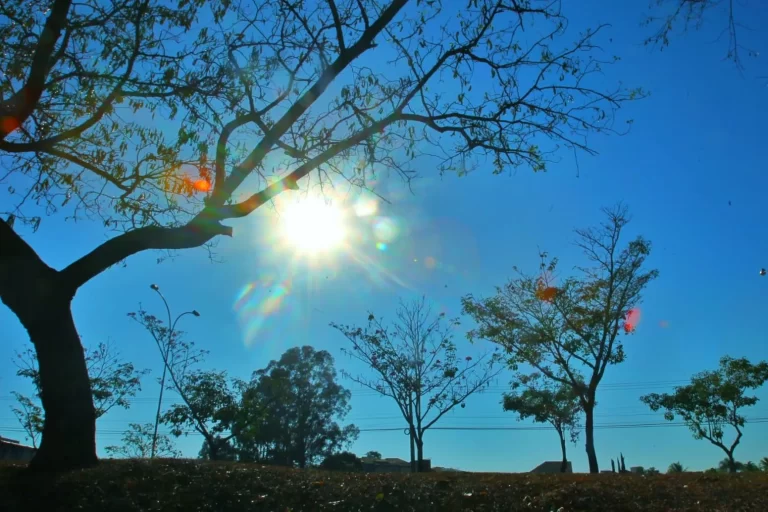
(312,225)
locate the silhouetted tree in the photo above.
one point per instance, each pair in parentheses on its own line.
(764,464)
(572,332)
(728,466)
(299,403)
(373,455)
(416,363)
(29,415)
(750,467)
(651,471)
(545,403)
(208,406)
(113,383)
(713,400)
(72,73)
(676,467)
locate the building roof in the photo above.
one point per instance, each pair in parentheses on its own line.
(552,466)
(389,461)
(14,442)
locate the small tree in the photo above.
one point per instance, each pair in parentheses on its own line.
(764,464)
(208,407)
(651,471)
(179,358)
(417,365)
(545,403)
(113,381)
(750,467)
(30,415)
(676,467)
(137,443)
(571,333)
(713,400)
(725,466)
(113,384)
(373,455)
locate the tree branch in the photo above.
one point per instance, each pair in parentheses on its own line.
(18,109)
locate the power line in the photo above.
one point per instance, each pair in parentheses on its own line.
(363,391)
(606,426)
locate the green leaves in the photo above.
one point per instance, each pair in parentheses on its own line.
(713,399)
(567,328)
(137,443)
(290,409)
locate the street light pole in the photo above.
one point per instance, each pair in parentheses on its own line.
(165,355)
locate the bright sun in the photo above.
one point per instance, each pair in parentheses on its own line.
(312,225)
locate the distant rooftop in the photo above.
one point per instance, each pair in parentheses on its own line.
(552,466)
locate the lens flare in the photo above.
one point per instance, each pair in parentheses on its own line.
(632,320)
(256,302)
(202,185)
(385,229)
(366,207)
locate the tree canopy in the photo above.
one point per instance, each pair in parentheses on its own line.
(113,383)
(713,401)
(557,405)
(571,331)
(298,404)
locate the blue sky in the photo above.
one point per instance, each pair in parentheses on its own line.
(692,171)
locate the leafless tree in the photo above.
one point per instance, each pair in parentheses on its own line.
(416,363)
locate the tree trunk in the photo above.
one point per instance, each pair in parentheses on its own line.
(589,430)
(413,452)
(419,454)
(213,449)
(732,464)
(40,297)
(69,429)
(564,464)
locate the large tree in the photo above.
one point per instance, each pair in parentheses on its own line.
(113,383)
(264,91)
(557,405)
(416,363)
(571,331)
(713,401)
(298,404)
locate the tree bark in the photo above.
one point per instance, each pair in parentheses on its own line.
(564,464)
(413,451)
(41,298)
(420,454)
(589,431)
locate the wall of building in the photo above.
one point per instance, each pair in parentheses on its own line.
(15,451)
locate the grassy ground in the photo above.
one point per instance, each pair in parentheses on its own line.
(222,487)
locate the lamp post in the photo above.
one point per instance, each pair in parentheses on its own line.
(165,354)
